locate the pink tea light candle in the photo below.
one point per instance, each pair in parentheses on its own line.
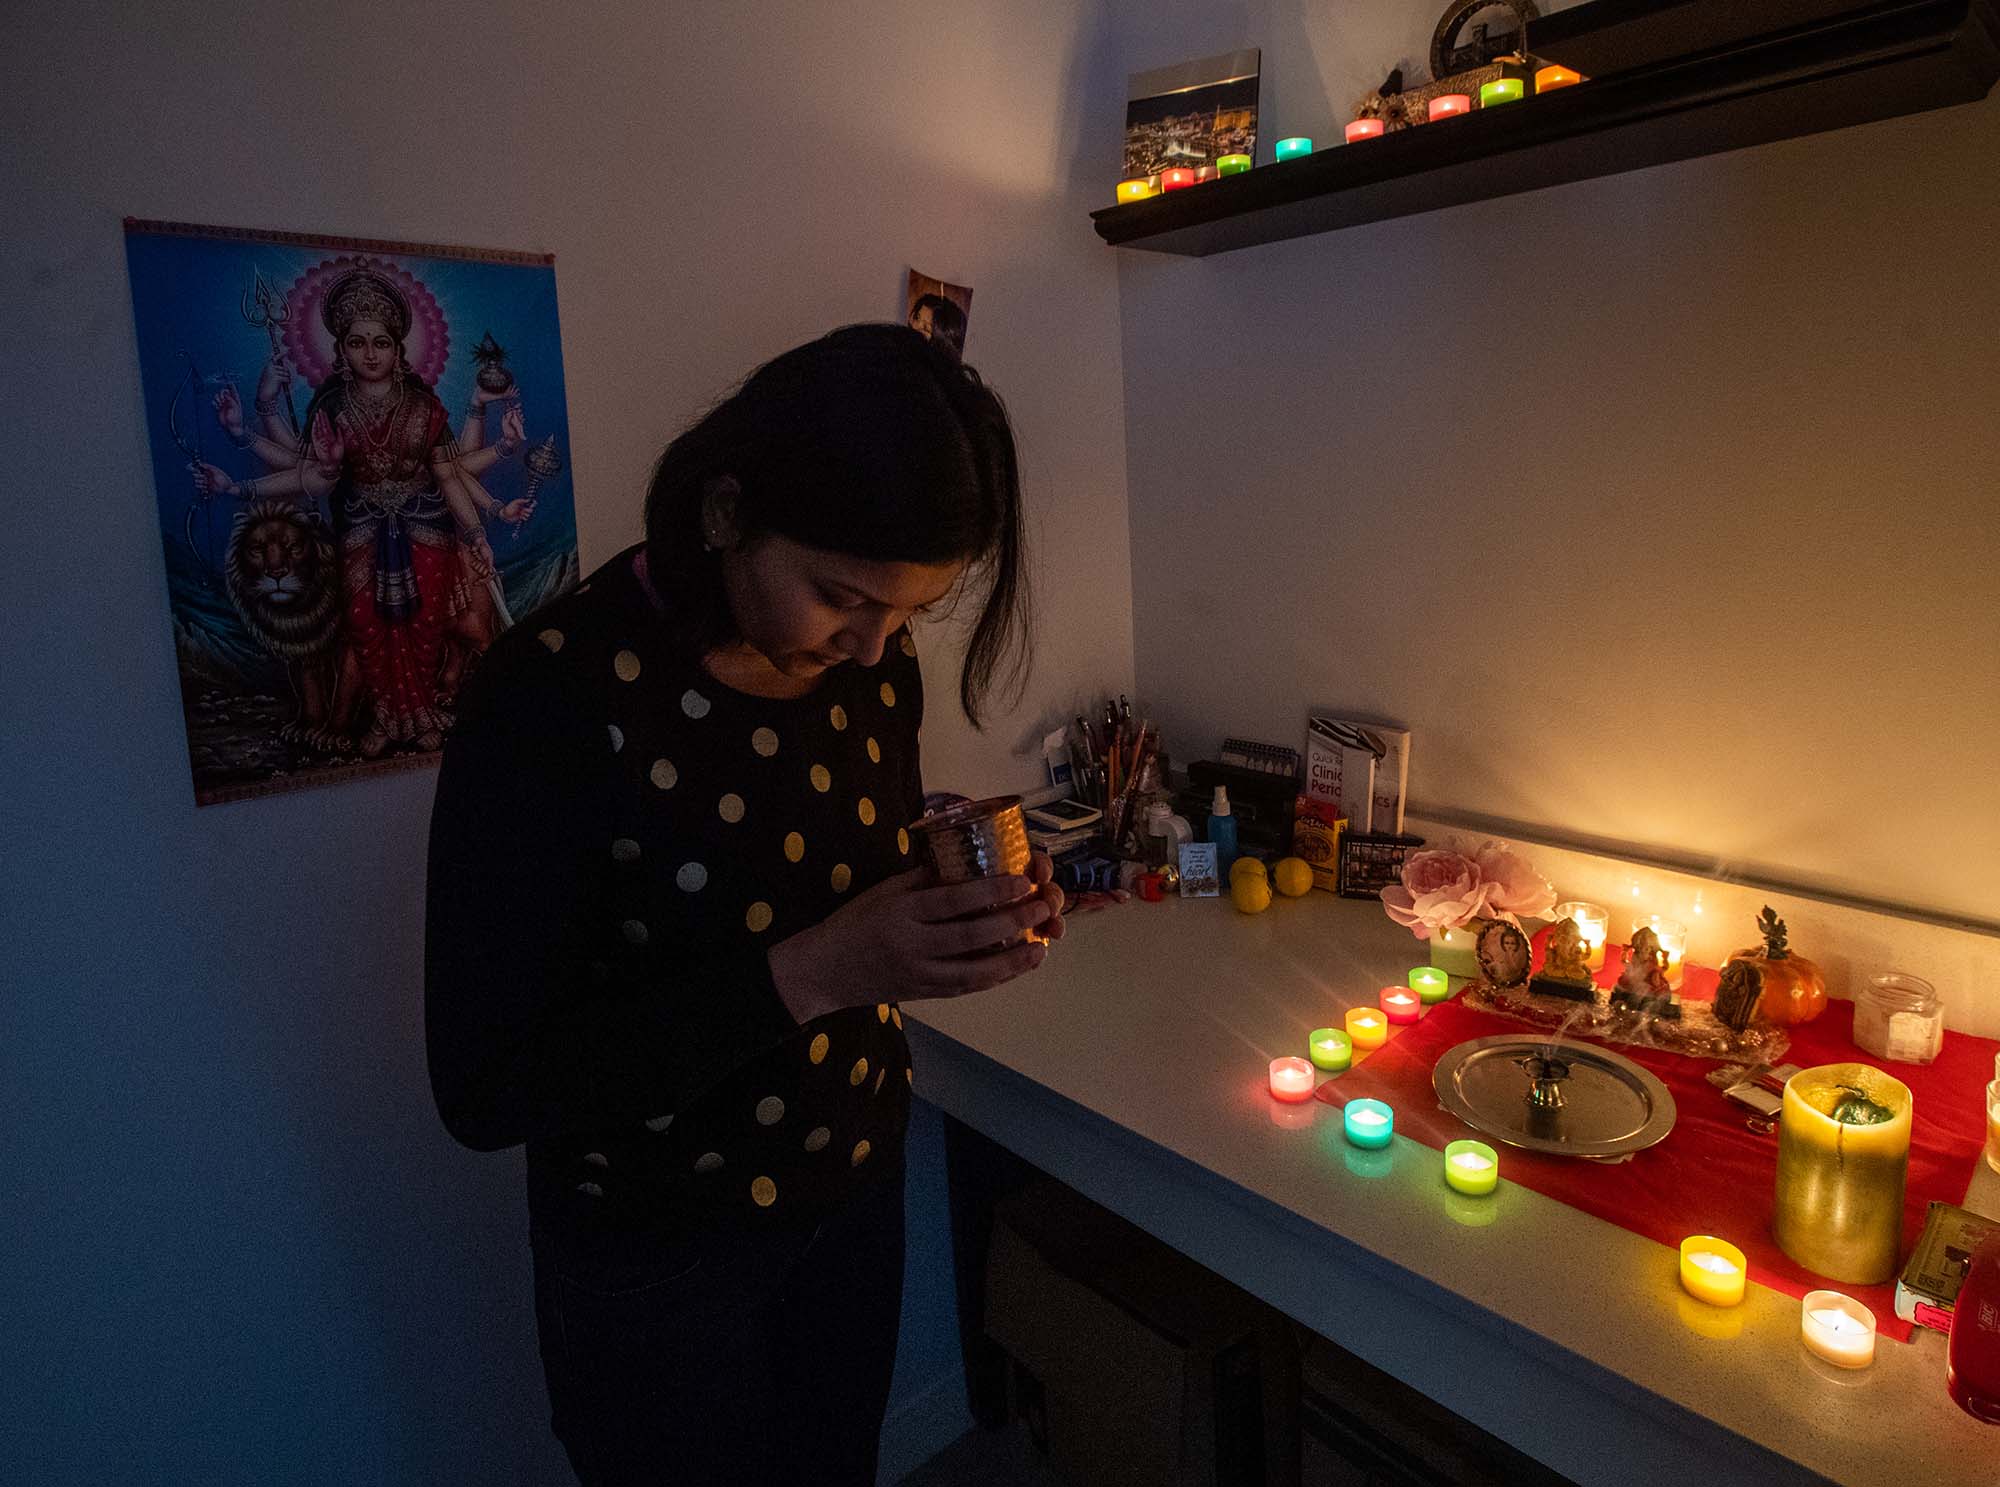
(1366,1028)
(1401,1005)
(1450,104)
(1363,129)
(1176,179)
(1291,1079)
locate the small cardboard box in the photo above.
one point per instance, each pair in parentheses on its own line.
(1154,1370)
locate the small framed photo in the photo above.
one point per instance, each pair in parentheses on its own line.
(1200,877)
(1372,860)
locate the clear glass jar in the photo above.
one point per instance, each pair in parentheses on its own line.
(1899,1017)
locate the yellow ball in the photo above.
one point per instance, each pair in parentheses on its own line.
(1246,867)
(1294,877)
(1251,895)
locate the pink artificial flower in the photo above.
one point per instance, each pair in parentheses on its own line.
(1513,887)
(1440,890)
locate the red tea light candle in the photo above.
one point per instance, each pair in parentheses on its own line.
(1137,189)
(1297,147)
(1291,1079)
(1366,1028)
(1401,1005)
(1552,77)
(1448,105)
(1233,165)
(1712,1270)
(1175,178)
(1363,129)
(1502,90)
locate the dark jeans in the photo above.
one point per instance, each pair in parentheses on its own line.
(738,1360)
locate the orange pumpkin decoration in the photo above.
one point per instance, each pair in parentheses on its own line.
(1794,989)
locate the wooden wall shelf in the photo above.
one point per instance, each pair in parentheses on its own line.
(1668,80)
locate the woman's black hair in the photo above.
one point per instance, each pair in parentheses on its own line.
(870,441)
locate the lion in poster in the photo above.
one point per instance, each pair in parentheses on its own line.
(283,578)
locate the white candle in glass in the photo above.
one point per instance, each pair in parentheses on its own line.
(1837,1328)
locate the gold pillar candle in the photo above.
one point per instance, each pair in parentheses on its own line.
(1839,1206)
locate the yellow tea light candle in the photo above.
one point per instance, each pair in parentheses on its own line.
(1549,78)
(1366,1028)
(1233,165)
(1400,1005)
(1502,90)
(1593,922)
(1471,1168)
(1363,129)
(1430,984)
(1448,105)
(1136,189)
(1369,1123)
(1713,1270)
(1330,1049)
(1673,936)
(1837,1328)
(1295,148)
(1843,1160)
(1291,1078)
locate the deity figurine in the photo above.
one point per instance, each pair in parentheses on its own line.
(1565,968)
(1642,985)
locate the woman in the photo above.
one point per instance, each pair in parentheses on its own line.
(672,910)
(407,514)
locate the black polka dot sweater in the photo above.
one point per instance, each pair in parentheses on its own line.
(618,840)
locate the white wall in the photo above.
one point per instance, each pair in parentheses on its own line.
(236,1244)
(1661,506)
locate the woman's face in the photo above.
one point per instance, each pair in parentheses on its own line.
(369,350)
(921,321)
(805,609)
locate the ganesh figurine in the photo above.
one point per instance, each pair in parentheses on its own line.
(1642,985)
(1565,968)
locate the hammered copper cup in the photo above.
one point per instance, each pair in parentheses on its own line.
(979,839)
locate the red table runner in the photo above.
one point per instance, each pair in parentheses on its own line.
(1710,1175)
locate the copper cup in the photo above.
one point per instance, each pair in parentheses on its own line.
(979,839)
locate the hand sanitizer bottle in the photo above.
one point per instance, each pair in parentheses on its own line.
(1222,831)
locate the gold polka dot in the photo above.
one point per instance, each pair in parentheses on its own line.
(763,1192)
(553,639)
(625,850)
(617,736)
(765,742)
(663,774)
(888,695)
(822,781)
(708,1161)
(817,1138)
(861,1150)
(902,841)
(795,846)
(881,1011)
(758,917)
(840,877)
(874,752)
(858,1073)
(896,1016)
(865,809)
(635,932)
(837,717)
(820,1044)
(907,645)
(770,1110)
(910,1077)
(626,664)
(730,808)
(880,1075)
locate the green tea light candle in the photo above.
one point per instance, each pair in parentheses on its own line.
(1234,165)
(1471,1168)
(1295,148)
(1502,90)
(1430,984)
(1369,1123)
(1330,1049)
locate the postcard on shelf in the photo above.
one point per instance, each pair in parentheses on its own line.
(1191,114)
(1361,769)
(1200,876)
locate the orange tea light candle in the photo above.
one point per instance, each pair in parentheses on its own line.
(1401,1006)
(1363,129)
(1712,1270)
(1366,1028)
(1295,148)
(1175,178)
(1233,165)
(1137,189)
(1449,104)
(1330,1049)
(1502,90)
(1291,1079)
(1471,1168)
(1430,984)
(1548,79)
(1837,1328)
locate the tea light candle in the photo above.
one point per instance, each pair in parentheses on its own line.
(1502,90)
(1233,165)
(1205,173)
(1136,189)
(1366,1028)
(1471,1167)
(1549,78)
(1400,1005)
(1712,1270)
(1592,922)
(1176,177)
(1291,1079)
(1448,104)
(1295,148)
(1673,939)
(1363,129)
(1369,1123)
(1837,1328)
(1430,984)
(1330,1049)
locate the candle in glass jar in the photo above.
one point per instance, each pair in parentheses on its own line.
(1430,984)
(1400,1005)
(1673,937)
(1471,1167)
(1369,1123)
(1837,1328)
(1330,1049)
(1291,1078)
(1712,1270)
(1366,1028)
(1446,105)
(1993,1120)
(1593,923)
(1363,129)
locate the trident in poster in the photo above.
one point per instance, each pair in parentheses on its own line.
(270,314)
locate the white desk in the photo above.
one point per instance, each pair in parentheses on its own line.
(1132,1067)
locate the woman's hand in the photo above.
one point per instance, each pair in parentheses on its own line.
(904,939)
(1042,872)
